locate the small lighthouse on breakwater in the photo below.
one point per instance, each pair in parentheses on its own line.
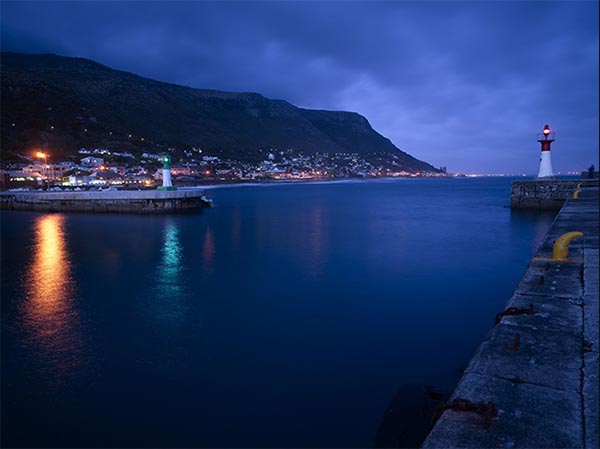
(546,137)
(166,174)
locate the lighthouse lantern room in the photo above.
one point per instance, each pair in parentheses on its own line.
(546,137)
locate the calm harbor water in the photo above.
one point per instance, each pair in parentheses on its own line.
(286,315)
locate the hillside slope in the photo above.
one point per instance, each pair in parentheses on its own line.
(50,101)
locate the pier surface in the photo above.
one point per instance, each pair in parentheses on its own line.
(120,201)
(535,377)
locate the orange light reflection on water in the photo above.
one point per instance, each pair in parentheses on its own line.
(48,312)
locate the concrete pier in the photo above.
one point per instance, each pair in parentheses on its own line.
(545,194)
(533,382)
(115,201)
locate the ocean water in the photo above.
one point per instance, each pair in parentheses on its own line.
(286,315)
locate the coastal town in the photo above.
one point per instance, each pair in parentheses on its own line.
(102,167)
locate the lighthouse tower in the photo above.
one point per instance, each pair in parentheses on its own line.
(546,137)
(166,174)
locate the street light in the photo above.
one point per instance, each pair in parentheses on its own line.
(45,156)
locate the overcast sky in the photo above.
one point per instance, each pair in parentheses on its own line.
(461,84)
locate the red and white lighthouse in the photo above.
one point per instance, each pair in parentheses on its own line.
(546,137)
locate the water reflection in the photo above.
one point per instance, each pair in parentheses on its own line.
(169,278)
(541,227)
(49,313)
(315,249)
(235,228)
(539,221)
(208,252)
(171,258)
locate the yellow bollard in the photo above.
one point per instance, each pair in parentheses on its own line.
(576,194)
(560,250)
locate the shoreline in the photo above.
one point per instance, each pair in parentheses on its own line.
(215,184)
(225,184)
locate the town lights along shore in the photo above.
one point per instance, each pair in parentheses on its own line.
(546,137)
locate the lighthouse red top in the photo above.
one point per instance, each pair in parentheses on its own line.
(546,137)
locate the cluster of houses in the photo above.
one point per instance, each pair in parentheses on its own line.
(90,171)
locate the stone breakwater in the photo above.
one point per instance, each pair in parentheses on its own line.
(114,201)
(544,194)
(533,382)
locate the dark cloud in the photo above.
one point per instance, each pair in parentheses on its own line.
(467,85)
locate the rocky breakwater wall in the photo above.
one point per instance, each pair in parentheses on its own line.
(115,201)
(545,194)
(533,382)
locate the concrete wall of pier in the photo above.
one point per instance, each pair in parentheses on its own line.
(107,201)
(541,194)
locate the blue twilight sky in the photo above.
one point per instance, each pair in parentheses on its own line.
(462,84)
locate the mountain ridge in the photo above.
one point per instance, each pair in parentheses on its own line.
(64,103)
